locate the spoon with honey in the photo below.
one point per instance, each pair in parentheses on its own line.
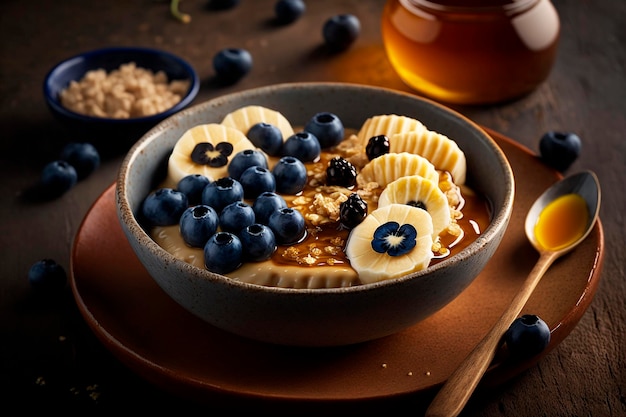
(557,222)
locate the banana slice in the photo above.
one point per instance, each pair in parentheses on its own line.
(441,151)
(391,242)
(388,125)
(245,117)
(391,166)
(422,193)
(206,149)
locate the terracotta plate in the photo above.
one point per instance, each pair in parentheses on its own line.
(178,352)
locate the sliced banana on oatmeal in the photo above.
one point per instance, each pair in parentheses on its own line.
(391,166)
(440,150)
(388,125)
(422,193)
(244,118)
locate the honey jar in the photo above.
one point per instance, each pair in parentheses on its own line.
(471,51)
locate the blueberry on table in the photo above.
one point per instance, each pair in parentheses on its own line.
(267,137)
(164,207)
(84,157)
(327,128)
(192,186)
(288,11)
(47,275)
(290,175)
(559,149)
(232,64)
(57,177)
(302,145)
(197,224)
(527,336)
(223,253)
(258,242)
(340,31)
(265,204)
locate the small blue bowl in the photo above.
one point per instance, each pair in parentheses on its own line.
(115,133)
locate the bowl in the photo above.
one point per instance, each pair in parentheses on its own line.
(115,132)
(329,316)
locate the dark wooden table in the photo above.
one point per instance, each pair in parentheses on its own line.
(50,360)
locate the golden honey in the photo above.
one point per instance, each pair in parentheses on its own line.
(562,222)
(471,51)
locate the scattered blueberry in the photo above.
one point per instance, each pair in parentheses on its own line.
(340,31)
(164,207)
(47,275)
(302,145)
(257,180)
(265,204)
(394,239)
(288,11)
(258,242)
(267,137)
(327,128)
(84,157)
(290,174)
(236,216)
(244,160)
(340,172)
(377,146)
(223,253)
(57,177)
(192,186)
(197,224)
(222,192)
(232,64)
(527,336)
(559,150)
(352,211)
(288,226)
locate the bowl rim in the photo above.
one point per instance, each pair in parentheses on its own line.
(126,216)
(54,103)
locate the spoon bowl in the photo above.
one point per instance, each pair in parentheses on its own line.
(455,393)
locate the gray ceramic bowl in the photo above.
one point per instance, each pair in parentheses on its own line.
(317,317)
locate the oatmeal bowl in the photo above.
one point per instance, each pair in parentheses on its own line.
(315,214)
(117,94)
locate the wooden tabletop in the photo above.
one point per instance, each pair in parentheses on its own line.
(49,358)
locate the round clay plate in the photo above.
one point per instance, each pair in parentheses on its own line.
(183,355)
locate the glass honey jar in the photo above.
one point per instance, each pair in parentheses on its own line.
(471,51)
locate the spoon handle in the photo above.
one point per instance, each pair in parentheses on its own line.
(455,393)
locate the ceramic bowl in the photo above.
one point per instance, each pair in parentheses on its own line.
(317,317)
(110,130)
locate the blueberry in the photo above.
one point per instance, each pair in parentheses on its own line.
(192,186)
(327,128)
(47,275)
(559,150)
(527,336)
(290,175)
(265,204)
(340,31)
(164,207)
(352,211)
(258,242)
(257,180)
(222,192)
(340,172)
(223,253)
(377,146)
(288,11)
(244,160)
(232,64)
(288,226)
(236,216)
(57,177)
(197,224)
(84,157)
(302,145)
(267,137)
